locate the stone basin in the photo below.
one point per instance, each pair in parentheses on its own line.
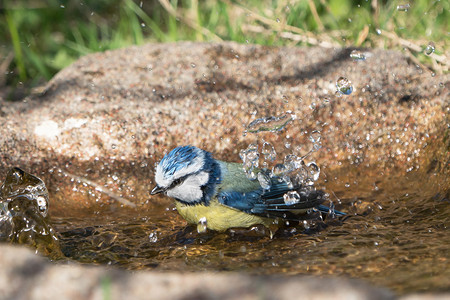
(95,132)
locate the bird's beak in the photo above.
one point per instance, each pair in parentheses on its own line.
(157,190)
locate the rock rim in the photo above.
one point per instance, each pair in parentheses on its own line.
(118,112)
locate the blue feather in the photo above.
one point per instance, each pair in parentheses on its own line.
(215,177)
(271,203)
(179,158)
(326,209)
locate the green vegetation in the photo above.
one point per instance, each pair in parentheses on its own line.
(39,37)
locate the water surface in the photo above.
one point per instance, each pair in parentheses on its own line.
(396,235)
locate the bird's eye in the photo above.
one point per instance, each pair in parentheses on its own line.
(176,182)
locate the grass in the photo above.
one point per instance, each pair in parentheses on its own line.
(40,37)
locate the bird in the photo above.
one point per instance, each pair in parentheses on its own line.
(218,195)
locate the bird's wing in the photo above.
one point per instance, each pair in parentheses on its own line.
(271,203)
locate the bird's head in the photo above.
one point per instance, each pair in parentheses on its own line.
(187,174)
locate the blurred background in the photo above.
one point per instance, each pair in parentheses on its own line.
(40,37)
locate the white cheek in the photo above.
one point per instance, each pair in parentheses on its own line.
(190,189)
(197,180)
(190,194)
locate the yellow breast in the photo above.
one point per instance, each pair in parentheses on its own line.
(219,217)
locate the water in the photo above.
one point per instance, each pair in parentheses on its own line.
(358,55)
(344,86)
(403,7)
(23,213)
(429,49)
(291,197)
(269,152)
(271,123)
(250,160)
(396,235)
(264,180)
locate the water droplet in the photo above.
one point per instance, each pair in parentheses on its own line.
(292,162)
(142,24)
(403,7)
(278,20)
(193,65)
(291,198)
(250,160)
(378,31)
(268,151)
(301,177)
(42,203)
(429,49)
(344,86)
(315,136)
(279,170)
(264,180)
(153,237)
(314,170)
(357,55)
(287,145)
(23,210)
(62,6)
(202,225)
(306,224)
(331,210)
(271,124)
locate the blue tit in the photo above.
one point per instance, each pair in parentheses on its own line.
(219,195)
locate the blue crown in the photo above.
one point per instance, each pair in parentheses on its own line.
(179,158)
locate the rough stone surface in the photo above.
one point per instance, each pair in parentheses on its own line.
(25,275)
(114,114)
(101,124)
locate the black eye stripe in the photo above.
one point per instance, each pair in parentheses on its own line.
(177,182)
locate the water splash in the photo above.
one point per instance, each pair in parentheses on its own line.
(153,237)
(250,160)
(292,162)
(272,124)
(315,136)
(314,170)
(23,212)
(202,225)
(21,184)
(264,180)
(344,86)
(291,198)
(279,170)
(268,151)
